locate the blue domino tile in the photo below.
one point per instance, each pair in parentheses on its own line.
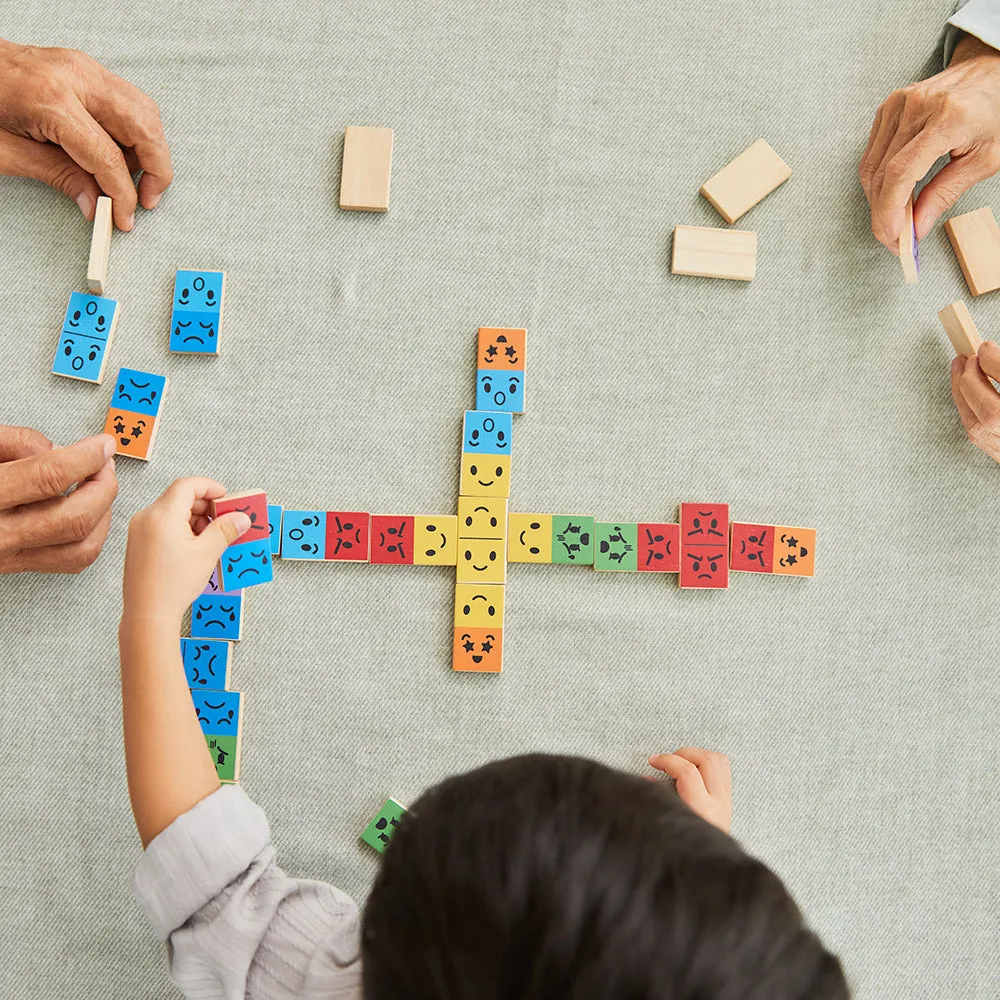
(139,392)
(303,534)
(500,391)
(87,331)
(245,565)
(274,527)
(194,333)
(196,316)
(487,432)
(217,616)
(218,712)
(206,663)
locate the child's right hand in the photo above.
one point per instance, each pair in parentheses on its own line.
(172,549)
(704,782)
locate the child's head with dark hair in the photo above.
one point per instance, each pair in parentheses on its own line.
(557,878)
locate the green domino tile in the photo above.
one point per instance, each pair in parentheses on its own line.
(572,540)
(224,756)
(616,546)
(379,831)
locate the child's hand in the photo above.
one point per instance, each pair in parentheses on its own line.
(172,549)
(704,782)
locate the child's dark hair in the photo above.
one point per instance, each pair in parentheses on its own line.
(557,878)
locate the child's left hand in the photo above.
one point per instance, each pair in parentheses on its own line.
(172,549)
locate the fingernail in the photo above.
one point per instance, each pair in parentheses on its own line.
(109,446)
(86,204)
(154,201)
(111,462)
(242,522)
(131,222)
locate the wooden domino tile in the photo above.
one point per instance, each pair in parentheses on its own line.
(482,517)
(529,538)
(384,824)
(220,714)
(659,548)
(367,169)
(482,560)
(88,331)
(206,663)
(478,650)
(479,605)
(961,329)
(909,253)
(617,545)
(485,476)
(435,540)
(348,535)
(196,316)
(794,551)
(392,540)
(100,248)
(975,239)
(704,545)
(743,182)
(135,412)
(751,548)
(715,253)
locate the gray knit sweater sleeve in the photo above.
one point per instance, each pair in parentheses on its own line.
(235,924)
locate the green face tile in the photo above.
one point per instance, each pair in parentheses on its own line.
(572,540)
(223,749)
(616,546)
(379,831)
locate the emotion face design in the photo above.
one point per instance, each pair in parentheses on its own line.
(196,319)
(435,540)
(303,534)
(487,433)
(139,392)
(704,548)
(530,539)
(572,540)
(704,523)
(214,587)
(752,548)
(217,616)
(87,333)
(616,546)
(133,432)
(485,476)
(384,824)
(500,391)
(225,756)
(347,535)
(274,511)
(659,548)
(392,540)
(479,605)
(246,565)
(218,711)
(206,663)
(794,551)
(501,349)
(481,560)
(253,503)
(482,517)
(478,649)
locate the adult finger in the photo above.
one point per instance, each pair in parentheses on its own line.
(979,393)
(989,359)
(879,143)
(23,157)
(39,477)
(863,171)
(62,519)
(714,767)
(948,185)
(21,442)
(74,557)
(965,414)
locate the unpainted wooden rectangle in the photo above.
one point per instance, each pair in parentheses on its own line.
(975,239)
(367,169)
(748,179)
(715,253)
(961,329)
(909,254)
(100,248)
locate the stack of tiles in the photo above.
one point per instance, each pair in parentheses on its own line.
(196,317)
(134,414)
(704,552)
(247,562)
(325,535)
(769,548)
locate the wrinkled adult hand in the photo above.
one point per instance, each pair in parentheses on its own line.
(956,112)
(704,782)
(42,529)
(67,121)
(978,403)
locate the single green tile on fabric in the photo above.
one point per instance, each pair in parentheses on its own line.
(224,755)
(572,540)
(616,546)
(379,831)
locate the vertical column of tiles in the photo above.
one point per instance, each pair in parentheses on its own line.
(704,545)
(134,414)
(500,369)
(247,562)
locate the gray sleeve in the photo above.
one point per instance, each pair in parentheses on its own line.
(235,924)
(976,17)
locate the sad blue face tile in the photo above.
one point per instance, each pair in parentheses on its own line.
(206,663)
(139,392)
(197,312)
(87,326)
(303,534)
(274,526)
(500,391)
(216,616)
(487,433)
(245,565)
(194,332)
(218,711)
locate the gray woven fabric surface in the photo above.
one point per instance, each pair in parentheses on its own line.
(543,154)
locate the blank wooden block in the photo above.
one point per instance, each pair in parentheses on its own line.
(752,176)
(909,255)
(961,330)
(100,248)
(715,253)
(367,169)
(976,242)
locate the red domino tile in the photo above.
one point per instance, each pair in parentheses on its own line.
(254,504)
(752,549)
(705,566)
(347,535)
(392,540)
(659,548)
(704,523)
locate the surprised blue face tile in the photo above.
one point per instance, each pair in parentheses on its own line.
(139,392)
(196,316)
(217,616)
(500,391)
(200,291)
(88,328)
(487,433)
(303,534)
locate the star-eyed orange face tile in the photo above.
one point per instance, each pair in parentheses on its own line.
(478,649)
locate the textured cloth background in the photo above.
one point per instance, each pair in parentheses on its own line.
(543,154)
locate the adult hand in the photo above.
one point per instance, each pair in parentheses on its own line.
(42,529)
(977,401)
(704,782)
(956,112)
(67,121)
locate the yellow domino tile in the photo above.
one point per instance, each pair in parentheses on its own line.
(479,605)
(482,517)
(435,539)
(529,538)
(482,560)
(485,476)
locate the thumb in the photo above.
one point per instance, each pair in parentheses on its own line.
(989,359)
(21,157)
(224,530)
(946,187)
